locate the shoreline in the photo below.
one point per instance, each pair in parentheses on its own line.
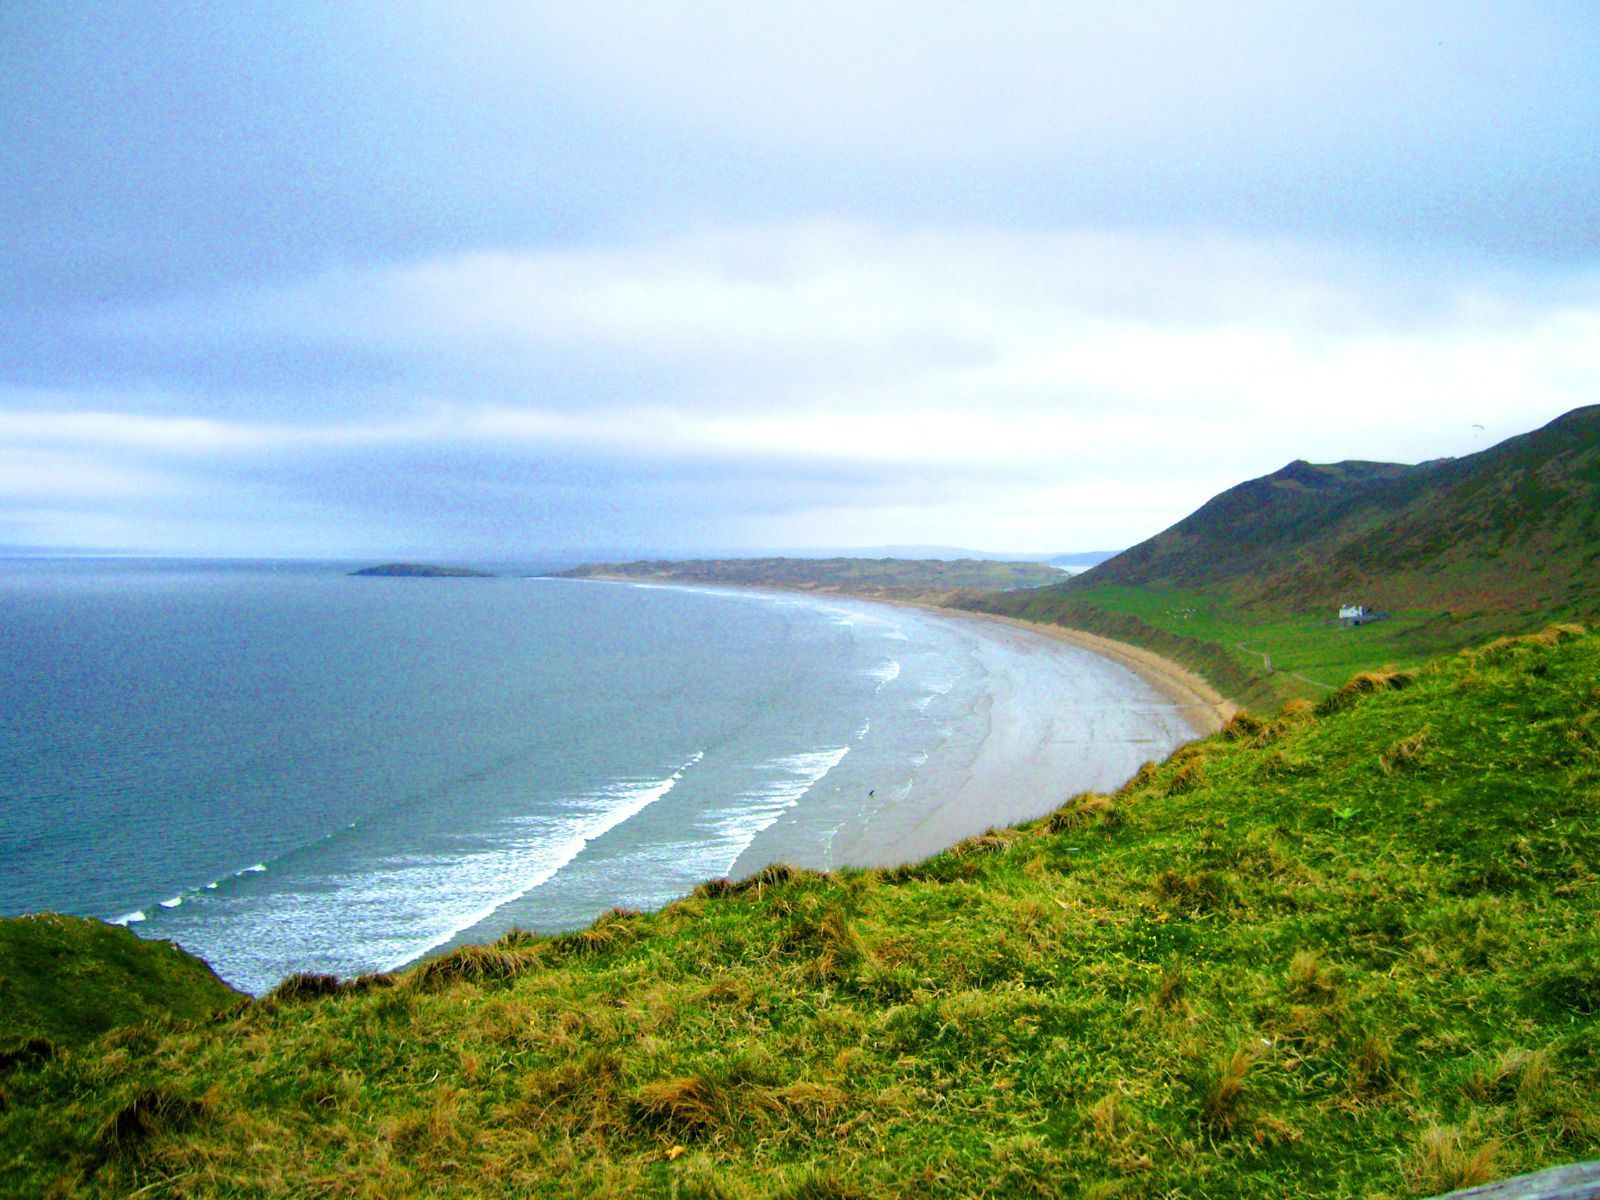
(1066,712)
(1061,717)
(1207,709)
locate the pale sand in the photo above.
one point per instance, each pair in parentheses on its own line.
(1066,712)
(1205,708)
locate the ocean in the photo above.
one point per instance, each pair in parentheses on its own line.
(284,768)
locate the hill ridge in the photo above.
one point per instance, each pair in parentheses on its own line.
(1514,527)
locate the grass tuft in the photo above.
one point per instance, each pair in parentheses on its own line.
(27,1054)
(1243,727)
(1083,809)
(472,964)
(1188,777)
(127,1132)
(1407,754)
(687,1104)
(1309,981)
(1367,683)
(1513,1075)
(304,986)
(613,929)
(1168,995)
(1198,892)
(1442,1161)
(1223,1093)
(1374,1070)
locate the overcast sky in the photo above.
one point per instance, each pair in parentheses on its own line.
(363,278)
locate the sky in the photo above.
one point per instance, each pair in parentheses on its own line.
(500,279)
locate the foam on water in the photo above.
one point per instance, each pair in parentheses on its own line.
(756,810)
(406,904)
(885,672)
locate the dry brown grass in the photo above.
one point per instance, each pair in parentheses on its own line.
(1188,777)
(1243,727)
(1444,1160)
(1195,891)
(1222,1101)
(1168,995)
(1309,980)
(130,1128)
(1514,1075)
(1367,683)
(473,964)
(1373,1069)
(697,1105)
(1081,810)
(613,929)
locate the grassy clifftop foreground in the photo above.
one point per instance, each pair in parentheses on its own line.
(1348,951)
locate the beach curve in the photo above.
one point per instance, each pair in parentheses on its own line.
(1065,713)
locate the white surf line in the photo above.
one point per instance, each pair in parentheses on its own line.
(636,803)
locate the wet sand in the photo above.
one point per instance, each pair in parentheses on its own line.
(1062,713)
(1205,708)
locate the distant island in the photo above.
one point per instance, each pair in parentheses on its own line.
(422,571)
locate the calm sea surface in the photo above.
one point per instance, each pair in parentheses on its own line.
(283,768)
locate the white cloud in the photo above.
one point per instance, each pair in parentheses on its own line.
(1062,370)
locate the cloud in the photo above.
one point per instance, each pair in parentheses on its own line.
(778,327)
(810,382)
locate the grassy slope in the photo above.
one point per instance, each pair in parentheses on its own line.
(1345,953)
(68,980)
(1515,528)
(1226,641)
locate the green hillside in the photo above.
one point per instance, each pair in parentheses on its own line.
(67,980)
(1246,588)
(1348,951)
(1515,528)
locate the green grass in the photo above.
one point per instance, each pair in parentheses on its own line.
(67,980)
(1350,950)
(1231,644)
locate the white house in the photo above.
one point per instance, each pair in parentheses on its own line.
(1354,614)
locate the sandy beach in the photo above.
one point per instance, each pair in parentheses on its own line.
(1205,708)
(1061,712)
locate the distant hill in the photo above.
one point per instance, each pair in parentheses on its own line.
(888,577)
(421,571)
(1515,528)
